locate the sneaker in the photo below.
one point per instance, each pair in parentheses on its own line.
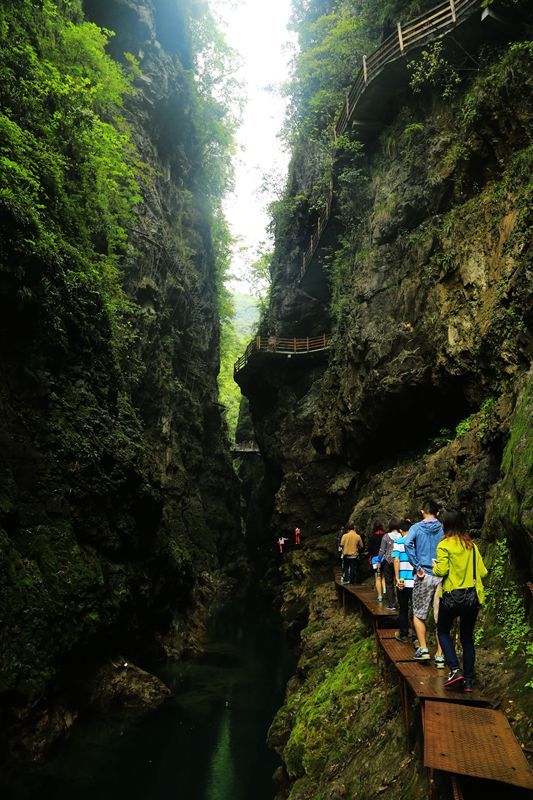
(380,598)
(400,638)
(440,661)
(390,608)
(468,685)
(422,654)
(416,644)
(455,679)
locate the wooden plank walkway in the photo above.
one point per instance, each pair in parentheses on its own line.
(284,347)
(427,683)
(387,633)
(464,735)
(366,596)
(398,651)
(477,742)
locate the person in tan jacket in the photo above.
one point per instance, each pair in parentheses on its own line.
(351,544)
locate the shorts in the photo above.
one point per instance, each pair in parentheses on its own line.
(424,595)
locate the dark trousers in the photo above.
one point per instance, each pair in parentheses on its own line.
(388,572)
(404,598)
(350,564)
(467,620)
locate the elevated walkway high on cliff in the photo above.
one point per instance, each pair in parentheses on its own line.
(241,449)
(383,76)
(277,348)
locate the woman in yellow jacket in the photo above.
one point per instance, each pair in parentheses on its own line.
(460,564)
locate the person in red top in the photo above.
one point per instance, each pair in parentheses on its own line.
(297,536)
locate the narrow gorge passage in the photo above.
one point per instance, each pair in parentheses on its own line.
(265,280)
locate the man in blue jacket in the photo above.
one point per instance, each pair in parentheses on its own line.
(421,548)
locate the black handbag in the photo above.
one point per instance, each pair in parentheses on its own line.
(462,599)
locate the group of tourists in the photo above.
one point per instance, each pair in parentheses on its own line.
(431,565)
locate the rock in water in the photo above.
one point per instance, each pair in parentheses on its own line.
(118,685)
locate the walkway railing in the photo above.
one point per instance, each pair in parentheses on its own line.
(435,23)
(245,447)
(275,344)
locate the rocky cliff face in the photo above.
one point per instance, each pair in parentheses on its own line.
(119,506)
(425,390)
(432,318)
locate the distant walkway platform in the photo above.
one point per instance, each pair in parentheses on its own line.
(278,346)
(240,449)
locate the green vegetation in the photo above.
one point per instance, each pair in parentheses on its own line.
(320,724)
(432,70)
(333,36)
(68,169)
(246,315)
(504,608)
(478,421)
(236,333)
(105,387)
(331,732)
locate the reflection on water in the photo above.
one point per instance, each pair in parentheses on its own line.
(206,743)
(221,781)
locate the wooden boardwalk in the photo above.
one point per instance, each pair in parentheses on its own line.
(278,346)
(365,598)
(240,449)
(465,736)
(383,74)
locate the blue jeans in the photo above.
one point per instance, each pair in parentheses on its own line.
(467,620)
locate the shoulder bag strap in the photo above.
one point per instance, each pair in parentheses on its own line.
(474,555)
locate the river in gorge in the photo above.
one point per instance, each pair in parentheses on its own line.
(208,742)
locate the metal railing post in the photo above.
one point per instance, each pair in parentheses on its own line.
(365,70)
(400,37)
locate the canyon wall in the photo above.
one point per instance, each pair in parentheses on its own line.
(423,278)
(119,511)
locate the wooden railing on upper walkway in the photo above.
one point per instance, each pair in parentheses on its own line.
(435,23)
(245,447)
(275,344)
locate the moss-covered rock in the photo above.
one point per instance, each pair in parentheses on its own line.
(333,733)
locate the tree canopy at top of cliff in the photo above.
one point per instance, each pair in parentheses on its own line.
(69,170)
